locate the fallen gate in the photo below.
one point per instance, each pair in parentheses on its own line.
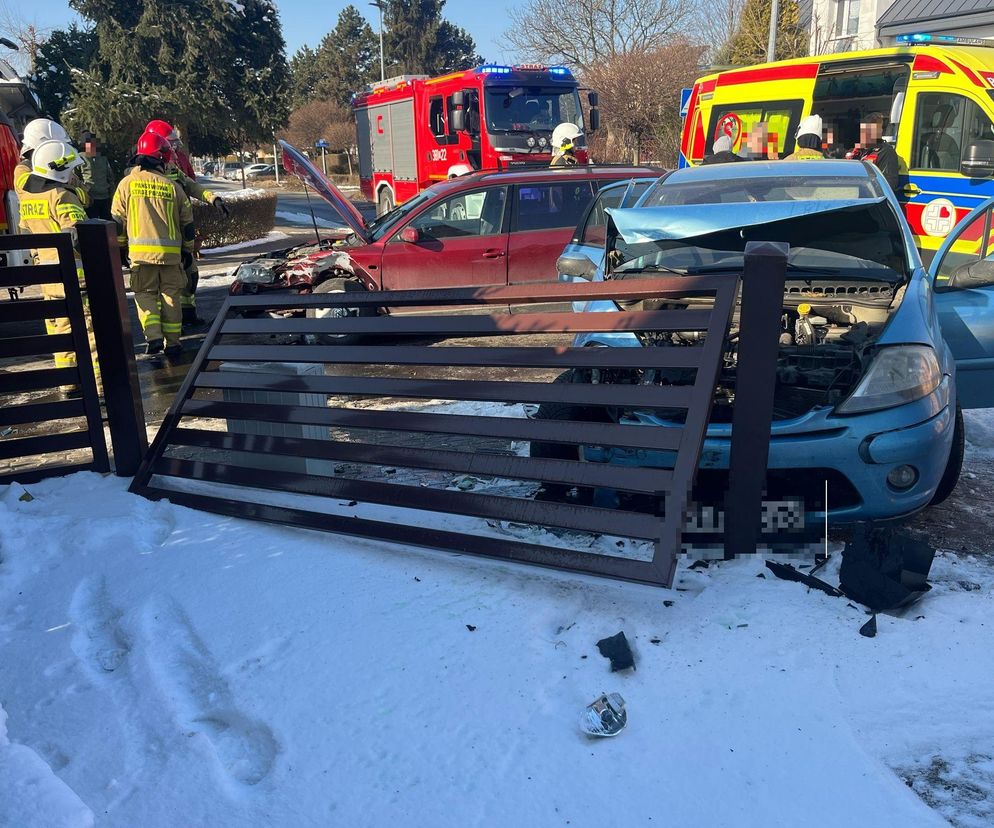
(32,401)
(244,463)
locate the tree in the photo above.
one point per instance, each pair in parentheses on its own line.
(347,58)
(640,101)
(749,43)
(215,68)
(588,31)
(66,51)
(714,24)
(321,119)
(419,41)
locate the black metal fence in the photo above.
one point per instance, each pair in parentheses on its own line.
(51,421)
(391,441)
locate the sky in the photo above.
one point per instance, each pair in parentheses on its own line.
(305,22)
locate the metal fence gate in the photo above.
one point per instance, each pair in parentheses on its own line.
(35,417)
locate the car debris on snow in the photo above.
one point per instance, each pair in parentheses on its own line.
(604,716)
(617,649)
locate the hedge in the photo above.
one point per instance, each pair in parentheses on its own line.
(253,213)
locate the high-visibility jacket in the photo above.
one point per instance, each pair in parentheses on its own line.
(191,187)
(156,216)
(49,207)
(23,170)
(805,154)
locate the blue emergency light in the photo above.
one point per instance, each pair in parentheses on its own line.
(492,69)
(559,70)
(928,37)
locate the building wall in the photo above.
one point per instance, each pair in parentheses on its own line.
(825,37)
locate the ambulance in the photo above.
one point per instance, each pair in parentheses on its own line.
(936,91)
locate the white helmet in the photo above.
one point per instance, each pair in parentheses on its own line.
(565,133)
(55,160)
(810,126)
(41,129)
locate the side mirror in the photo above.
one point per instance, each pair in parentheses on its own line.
(411,235)
(576,265)
(978,160)
(459,98)
(974,275)
(457,120)
(592,98)
(594,116)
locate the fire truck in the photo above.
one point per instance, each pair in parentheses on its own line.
(414,130)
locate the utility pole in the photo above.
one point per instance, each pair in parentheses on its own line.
(771,48)
(381,5)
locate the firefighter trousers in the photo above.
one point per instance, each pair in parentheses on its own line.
(188,298)
(67,359)
(157,290)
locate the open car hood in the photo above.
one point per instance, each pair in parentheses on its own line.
(296,163)
(685,221)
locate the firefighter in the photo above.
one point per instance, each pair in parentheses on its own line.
(193,190)
(808,140)
(48,204)
(722,152)
(563,150)
(157,220)
(37,131)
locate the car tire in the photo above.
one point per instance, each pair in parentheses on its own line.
(955,463)
(384,202)
(337,286)
(564,412)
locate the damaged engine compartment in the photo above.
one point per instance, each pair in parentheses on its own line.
(827,332)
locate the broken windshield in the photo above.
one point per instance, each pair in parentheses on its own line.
(531,108)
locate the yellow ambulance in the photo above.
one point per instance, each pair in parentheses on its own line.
(936,91)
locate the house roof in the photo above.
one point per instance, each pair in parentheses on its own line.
(905,16)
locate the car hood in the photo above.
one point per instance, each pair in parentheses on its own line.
(296,163)
(684,221)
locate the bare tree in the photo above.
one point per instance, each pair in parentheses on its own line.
(715,23)
(640,101)
(321,119)
(25,33)
(587,31)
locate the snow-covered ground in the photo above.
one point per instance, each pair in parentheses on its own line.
(293,217)
(271,236)
(162,667)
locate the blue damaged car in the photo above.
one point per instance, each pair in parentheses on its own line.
(877,356)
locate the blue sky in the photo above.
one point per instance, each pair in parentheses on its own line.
(306,22)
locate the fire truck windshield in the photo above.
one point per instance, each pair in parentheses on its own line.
(530,108)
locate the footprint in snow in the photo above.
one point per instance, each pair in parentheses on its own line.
(98,640)
(203,702)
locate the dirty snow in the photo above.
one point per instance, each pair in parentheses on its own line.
(159,661)
(292,217)
(271,236)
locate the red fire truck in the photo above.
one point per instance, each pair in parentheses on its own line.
(413,130)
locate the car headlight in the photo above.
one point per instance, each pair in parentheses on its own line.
(897,375)
(254,273)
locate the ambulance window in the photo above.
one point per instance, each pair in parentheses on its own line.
(945,125)
(550,206)
(739,120)
(436,118)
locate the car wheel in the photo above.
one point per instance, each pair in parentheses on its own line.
(565,412)
(955,463)
(384,203)
(337,286)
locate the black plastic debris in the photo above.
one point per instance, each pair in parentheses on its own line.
(699,565)
(884,568)
(869,629)
(617,650)
(471,628)
(788,573)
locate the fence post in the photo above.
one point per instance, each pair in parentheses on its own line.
(759,333)
(101,257)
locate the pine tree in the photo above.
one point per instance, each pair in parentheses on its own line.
(418,40)
(64,51)
(347,58)
(749,43)
(303,76)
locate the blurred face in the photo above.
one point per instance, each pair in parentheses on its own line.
(90,148)
(870,132)
(756,142)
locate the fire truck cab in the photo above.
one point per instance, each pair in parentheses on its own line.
(413,130)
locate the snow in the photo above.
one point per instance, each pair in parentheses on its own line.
(162,661)
(248,192)
(305,218)
(271,236)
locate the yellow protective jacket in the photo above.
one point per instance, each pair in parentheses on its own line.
(23,170)
(49,207)
(156,216)
(192,188)
(805,154)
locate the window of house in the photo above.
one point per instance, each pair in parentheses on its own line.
(846,17)
(945,124)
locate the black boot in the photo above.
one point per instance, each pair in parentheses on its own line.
(174,349)
(153,346)
(190,318)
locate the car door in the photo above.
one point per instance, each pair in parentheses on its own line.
(459,241)
(591,234)
(543,218)
(937,195)
(963,276)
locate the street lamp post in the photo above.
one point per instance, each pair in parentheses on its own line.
(381,5)
(771,46)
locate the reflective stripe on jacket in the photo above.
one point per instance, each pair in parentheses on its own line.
(805,154)
(48,207)
(192,188)
(156,215)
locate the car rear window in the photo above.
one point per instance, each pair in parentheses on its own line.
(771,188)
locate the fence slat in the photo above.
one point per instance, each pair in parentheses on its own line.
(41,412)
(20,346)
(13,382)
(30,310)
(46,444)
(25,275)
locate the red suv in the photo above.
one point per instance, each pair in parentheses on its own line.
(485,228)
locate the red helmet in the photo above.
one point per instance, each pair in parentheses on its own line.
(162,129)
(155,146)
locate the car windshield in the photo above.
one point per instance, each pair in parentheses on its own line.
(766,188)
(531,108)
(382,225)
